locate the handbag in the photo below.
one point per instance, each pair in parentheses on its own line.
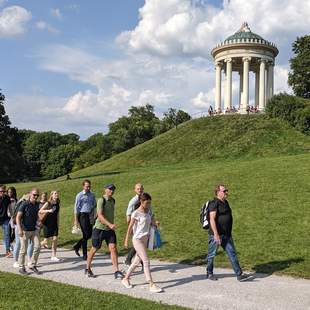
(76,230)
(154,241)
(150,244)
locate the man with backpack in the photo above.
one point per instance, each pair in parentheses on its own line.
(27,224)
(104,230)
(220,229)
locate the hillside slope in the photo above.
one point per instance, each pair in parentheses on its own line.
(224,137)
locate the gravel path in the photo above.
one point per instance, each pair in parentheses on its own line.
(183,284)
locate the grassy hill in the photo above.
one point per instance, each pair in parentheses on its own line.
(217,138)
(265,164)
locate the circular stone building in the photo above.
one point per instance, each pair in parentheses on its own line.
(243,52)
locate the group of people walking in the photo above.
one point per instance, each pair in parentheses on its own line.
(100,215)
(23,219)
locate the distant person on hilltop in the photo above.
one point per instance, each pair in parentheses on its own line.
(85,203)
(220,229)
(104,230)
(210,111)
(132,205)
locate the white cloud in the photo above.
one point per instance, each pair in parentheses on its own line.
(167,60)
(181,27)
(13,21)
(154,97)
(280,79)
(56,13)
(44,26)
(204,100)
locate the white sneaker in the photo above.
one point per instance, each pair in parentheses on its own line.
(29,264)
(155,289)
(55,259)
(16,265)
(126,283)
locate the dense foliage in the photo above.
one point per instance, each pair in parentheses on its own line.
(10,151)
(299,77)
(27,154)
(295,110)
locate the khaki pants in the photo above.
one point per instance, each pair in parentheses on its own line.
(141,255)
(34,237)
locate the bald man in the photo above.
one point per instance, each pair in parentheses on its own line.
(139,189)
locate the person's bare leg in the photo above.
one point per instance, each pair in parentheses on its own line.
(54,246)
(90,257)
(114,256)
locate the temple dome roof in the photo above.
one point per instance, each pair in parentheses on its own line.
(243,33)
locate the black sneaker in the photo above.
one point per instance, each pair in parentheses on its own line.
(85,257)
(243,277)
(76,251)
(89,273)
(211,277)
(23,271)
(118,275)
(35,270)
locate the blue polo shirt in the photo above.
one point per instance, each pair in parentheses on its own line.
(85,202)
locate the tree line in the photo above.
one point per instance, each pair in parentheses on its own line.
(26,154)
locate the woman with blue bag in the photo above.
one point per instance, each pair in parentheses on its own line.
(140,225)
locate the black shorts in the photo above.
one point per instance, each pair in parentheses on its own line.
(99,235)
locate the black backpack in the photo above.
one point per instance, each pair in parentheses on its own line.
(16,208)
(204,216)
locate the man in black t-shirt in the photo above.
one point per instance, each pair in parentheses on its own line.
(221,222)
(28,229)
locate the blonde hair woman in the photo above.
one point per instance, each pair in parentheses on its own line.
(50,222)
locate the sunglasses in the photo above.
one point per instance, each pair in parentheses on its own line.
(225,191)
(35,195)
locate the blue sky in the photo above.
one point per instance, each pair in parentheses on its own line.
(76,66)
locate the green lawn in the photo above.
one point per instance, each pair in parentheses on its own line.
(269,197)
(17,292)
(264,162)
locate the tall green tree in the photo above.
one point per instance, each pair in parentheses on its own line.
(173,118)
(139,126)
(10,151)
(60,160)
(299,77)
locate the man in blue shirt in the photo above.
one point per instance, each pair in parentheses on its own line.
(85,203)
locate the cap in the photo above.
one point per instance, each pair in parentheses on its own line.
(110,186)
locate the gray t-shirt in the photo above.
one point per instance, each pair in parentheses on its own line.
(131,205)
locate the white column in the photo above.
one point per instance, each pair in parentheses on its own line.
(240,89)
(227,103)
(246,70)
(262,99)
(218,86)
(270,80)
(256,88)
(266,84)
